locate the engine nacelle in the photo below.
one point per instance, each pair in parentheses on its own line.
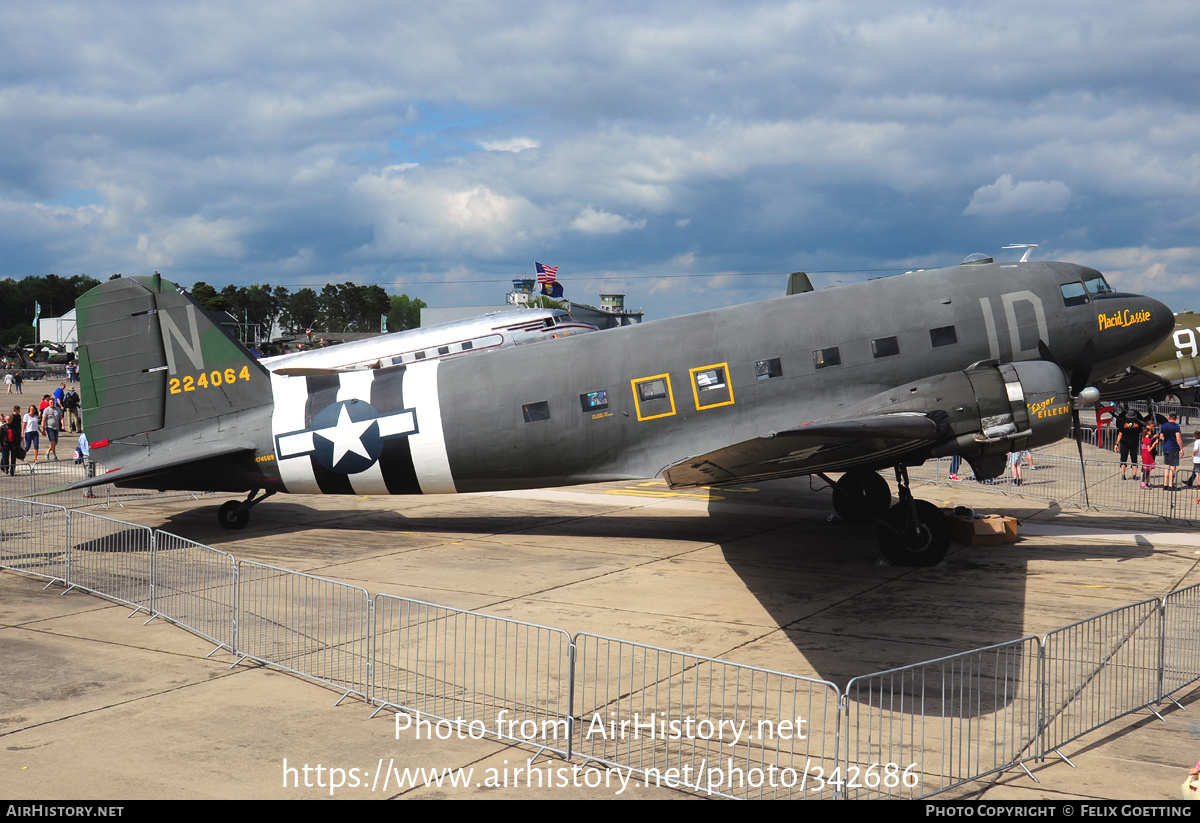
(989,409)
(1016,406)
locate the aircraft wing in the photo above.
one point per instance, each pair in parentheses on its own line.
(1133,384)
(832,446)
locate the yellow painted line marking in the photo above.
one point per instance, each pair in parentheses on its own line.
(648,493)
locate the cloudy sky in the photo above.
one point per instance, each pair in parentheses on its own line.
(687,153)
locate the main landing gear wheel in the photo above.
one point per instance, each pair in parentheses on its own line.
(923,542)
(235,515)
(232,516)
(860,494)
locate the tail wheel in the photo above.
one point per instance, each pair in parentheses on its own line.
(920,543)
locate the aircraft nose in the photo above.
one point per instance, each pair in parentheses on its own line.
(1162,319)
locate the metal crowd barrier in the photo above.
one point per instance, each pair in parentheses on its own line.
(30,479)
(310,626)
(33,538)
(1097,670)
(1181,639)
(1056,476)
(196,586)
(1186,414)
(718,727)
(676,719)
(918,730)
(479,673)
(112,558)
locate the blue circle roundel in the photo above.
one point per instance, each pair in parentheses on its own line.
(346,436)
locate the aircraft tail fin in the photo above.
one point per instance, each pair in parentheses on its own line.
(152,358)
(798,283)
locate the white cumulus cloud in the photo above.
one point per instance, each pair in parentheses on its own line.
(1023,197)
(591,221)
(514,144)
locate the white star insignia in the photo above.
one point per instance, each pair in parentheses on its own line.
(346,436)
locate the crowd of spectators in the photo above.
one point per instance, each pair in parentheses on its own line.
(22,434)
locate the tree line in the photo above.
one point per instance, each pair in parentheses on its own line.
(338,307)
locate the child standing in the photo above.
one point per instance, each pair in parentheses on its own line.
(1149,441)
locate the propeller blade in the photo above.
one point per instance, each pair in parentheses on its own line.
(1083,367)
(1046,354)
(1079,378)
(1079,446)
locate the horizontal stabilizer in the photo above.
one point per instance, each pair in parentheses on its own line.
(833,446)
(149,467)
(304,372)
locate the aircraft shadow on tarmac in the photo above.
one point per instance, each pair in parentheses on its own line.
(820,582)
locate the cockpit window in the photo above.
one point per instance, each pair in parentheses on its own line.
(1097,285)
(1074,294)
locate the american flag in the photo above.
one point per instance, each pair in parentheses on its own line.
(546,274)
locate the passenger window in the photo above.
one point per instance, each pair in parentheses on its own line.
(885,347)
(652,389)
(419,355)
(1074,294)
(943,336)
(467,346)
(534,412)
(594,401)
(653,396)
(766,369)
(710,386)
(443,349)
(823,358)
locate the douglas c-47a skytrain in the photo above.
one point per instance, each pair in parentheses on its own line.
(969,360)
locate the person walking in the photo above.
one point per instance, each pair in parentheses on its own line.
(51,426)
(31,424)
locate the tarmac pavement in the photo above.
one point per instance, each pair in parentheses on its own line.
(97,705)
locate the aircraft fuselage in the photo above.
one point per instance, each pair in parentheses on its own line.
(629,402)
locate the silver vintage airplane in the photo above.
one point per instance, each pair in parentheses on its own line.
(512,327)
(970,360)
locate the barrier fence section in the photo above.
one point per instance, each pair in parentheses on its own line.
(677,719)
(479,673)
(112,558)
(711,725)
(1056,476)
(1181,639)
(1097,670)
(33,538)
(918,730)
(38,478)
(308,625)
(196,586)
(1186,414)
